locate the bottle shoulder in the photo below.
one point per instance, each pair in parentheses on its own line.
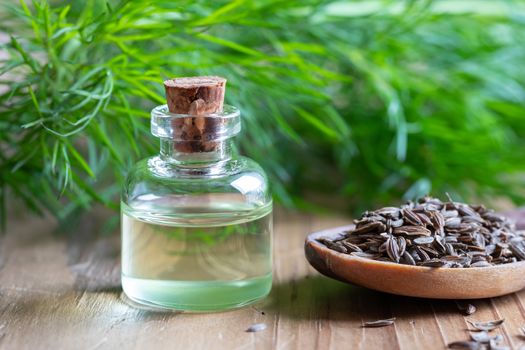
(240,177)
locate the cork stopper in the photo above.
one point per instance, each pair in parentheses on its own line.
(196,97)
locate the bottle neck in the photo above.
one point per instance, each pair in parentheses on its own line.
(183,152)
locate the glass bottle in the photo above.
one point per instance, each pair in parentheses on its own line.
(196,226)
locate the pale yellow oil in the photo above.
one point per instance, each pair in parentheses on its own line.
(202,259)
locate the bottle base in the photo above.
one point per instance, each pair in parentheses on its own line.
(196,296)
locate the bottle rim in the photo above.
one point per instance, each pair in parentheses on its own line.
(214,126)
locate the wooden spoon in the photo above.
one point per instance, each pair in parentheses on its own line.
(415,281)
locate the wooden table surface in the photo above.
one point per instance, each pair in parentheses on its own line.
(63,292)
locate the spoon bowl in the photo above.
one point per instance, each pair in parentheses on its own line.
(414,281)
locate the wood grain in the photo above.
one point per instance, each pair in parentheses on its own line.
(63,292)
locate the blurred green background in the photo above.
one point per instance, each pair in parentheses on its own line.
(361,102)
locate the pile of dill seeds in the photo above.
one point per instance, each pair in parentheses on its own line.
(433,233)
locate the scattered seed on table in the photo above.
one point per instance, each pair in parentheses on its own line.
(480,337)
(379,323)
(256,328)
(467,309)
(486,326)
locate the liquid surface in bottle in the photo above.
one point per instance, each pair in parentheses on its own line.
(199,258)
